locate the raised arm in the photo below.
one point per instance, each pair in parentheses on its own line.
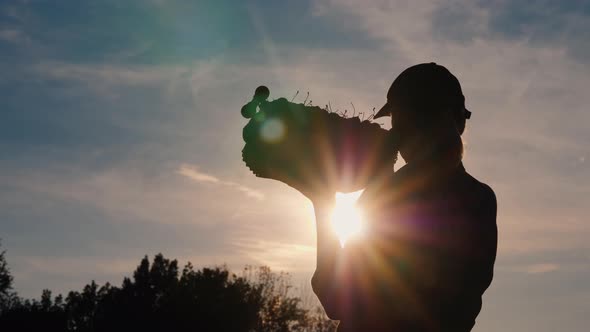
(325,282)
(328,245)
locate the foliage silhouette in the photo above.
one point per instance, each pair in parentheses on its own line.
(5,277)
(159,297)
(7,295)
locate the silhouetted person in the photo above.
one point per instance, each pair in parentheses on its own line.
(428,252)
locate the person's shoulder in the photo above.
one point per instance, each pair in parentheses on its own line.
(481,187)
(482,192)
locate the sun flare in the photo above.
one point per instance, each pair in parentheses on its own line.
(346,217)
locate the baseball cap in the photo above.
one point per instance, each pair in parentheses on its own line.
(424,87)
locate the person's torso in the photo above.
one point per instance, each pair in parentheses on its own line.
(427,255)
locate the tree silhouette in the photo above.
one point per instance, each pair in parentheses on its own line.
(47,314)
(7,295)
(161,298)
(5,277)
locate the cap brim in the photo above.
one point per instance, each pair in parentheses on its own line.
(384,111)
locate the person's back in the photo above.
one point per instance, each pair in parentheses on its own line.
(430,244)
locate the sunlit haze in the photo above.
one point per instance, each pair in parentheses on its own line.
(347,217)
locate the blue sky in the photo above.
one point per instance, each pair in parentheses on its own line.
(121,134)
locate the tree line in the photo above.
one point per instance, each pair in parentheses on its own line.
(161,297)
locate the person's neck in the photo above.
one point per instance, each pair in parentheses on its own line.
(433,164)
(438,154)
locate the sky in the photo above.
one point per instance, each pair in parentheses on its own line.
(120,133)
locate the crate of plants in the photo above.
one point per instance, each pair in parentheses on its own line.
(313,146)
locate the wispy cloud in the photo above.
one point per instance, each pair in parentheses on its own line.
(278,255)
(111,74)
(193,173)
(541,268)
(246,190)
(13,36)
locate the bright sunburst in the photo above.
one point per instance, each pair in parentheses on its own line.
(346,217)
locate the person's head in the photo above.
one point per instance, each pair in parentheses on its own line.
(428,114)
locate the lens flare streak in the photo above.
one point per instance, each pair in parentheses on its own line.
(347,217)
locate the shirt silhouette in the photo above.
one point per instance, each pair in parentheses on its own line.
(426,260)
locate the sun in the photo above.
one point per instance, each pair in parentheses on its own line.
(346,217)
